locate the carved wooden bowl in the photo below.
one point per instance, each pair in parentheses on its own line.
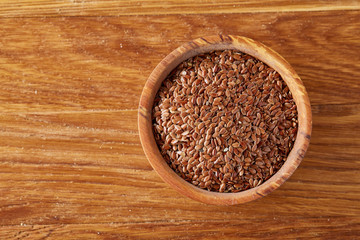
(257,50)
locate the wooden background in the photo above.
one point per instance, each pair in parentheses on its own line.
(71,163)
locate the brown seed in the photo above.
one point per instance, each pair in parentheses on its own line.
(222,131)
(236,145)
(207,178)
(201,125)
(251,182)
(252,171)
(216,134)
(198,147)
(224,121)
(222,187)
(260,163)
(217,101)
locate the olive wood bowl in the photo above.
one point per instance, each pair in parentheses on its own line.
(257,50)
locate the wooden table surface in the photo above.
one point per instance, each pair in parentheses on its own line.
(71,74)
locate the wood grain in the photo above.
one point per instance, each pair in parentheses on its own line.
(71,164)
(82,185)
(41,8)
(93,63)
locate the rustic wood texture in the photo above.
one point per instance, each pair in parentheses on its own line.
(31,8)
(71,163)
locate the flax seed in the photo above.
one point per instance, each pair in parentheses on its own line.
(224,121)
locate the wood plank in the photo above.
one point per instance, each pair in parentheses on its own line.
(41,8)
(71,164)
(81,174)
(72,138)
(98,64)
(286,228)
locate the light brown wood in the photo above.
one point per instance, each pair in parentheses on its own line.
(71,163)
(47,8)
(213,43)
(82,59)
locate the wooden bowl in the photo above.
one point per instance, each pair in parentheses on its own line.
(257,50)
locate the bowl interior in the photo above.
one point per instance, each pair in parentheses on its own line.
(204,45)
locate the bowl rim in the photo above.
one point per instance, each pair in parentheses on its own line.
(264,54)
